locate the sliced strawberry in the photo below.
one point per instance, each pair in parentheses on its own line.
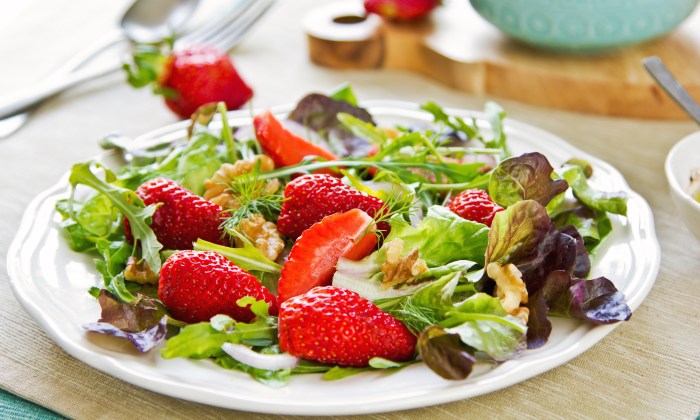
(284,147)
(315,254)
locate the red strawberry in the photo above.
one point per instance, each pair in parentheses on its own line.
(191,77)
(196,285)
(338,326)
(183,216)
(401,10)
(283,146)
(310,198)
(475,205)
(315,254)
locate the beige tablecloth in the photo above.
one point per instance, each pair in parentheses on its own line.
(647,368)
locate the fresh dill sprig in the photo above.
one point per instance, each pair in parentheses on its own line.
(253,197)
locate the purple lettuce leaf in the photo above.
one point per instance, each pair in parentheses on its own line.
(597,301)
(319,113)
(539,327)
(142,322)
(525,236)
(525,177)
(582,263)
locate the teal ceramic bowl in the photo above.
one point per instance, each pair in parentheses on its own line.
(584,26)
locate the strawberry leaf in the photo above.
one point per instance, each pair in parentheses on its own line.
(130,204)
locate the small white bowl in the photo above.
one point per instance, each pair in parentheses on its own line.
(683,158)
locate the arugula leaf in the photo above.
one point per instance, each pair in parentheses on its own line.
(114,258)
(375,364)
(248,258)
(271,378)
(496,115)
(525,177)
(130,205)
(452,121)
(202,340)
(442,237)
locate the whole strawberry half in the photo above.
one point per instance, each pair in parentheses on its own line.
(338,326)
(196,285)
(474,205)
(182,218)
(310,198)
(401,10)
(190,77)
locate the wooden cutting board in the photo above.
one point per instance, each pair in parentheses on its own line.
(460,49)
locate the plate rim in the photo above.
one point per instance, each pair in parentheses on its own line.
(193,392)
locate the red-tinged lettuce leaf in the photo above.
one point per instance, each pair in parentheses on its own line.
(539,327)
(319,113)
(593,225)
(525,177)
(582,262)
(445,354)
(517,233)
(597,301)
(142,322)
(525,236)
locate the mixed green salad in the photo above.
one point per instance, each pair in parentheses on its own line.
(485,292)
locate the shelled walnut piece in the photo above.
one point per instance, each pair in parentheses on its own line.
(262,234)
(217,187)
(510,288)
(399,269)
(139,271)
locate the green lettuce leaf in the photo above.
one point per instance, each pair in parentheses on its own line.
(442,237)
(614,202)
(484,325)
(198,161)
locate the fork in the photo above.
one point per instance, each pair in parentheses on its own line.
(223,31)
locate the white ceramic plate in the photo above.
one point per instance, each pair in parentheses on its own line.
(51,282)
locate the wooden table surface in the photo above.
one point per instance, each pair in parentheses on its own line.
(647,368)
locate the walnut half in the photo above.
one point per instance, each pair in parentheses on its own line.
(139,271)
(263,235)
(217,187)
(399,269)
(510,288)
